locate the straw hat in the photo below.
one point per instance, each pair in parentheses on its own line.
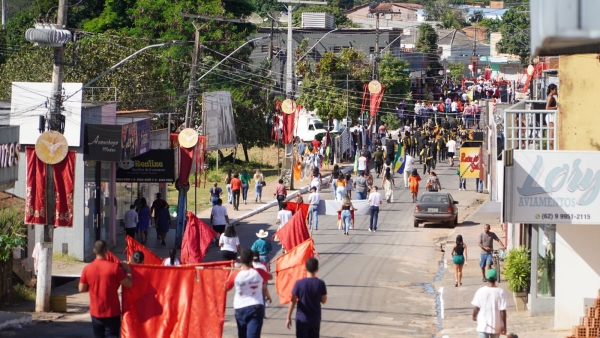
(262,234)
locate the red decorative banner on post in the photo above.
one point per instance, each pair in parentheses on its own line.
(64,187)
(375,101)
(35,199)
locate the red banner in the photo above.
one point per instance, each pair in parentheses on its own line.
(196,240)
(64,176)
(293,232)
(150,258)
(289,124)
(290,268)
(175,302)
(375,101)
(293,207)
(112,258)
(35,199)
(185,165)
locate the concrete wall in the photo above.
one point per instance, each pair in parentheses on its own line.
(577,272)
(578,97)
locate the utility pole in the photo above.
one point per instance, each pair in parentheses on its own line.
(271,43)
(288,163)
(44,281)
(376,53)
(3,14)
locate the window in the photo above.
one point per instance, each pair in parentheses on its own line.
(371,50)
(409,16)
(264,48)
(370,15)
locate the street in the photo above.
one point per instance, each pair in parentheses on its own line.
(379,283)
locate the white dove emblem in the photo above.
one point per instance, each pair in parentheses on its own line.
(189,138)
(52,147)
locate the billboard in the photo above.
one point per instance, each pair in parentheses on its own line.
(218,120)
(552,187)
(156,165)
(115,143)
(470,162)
(29,101)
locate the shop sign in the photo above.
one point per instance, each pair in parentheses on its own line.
(102,142)
(156,165)
(553,187)
(470,162)
(9,155)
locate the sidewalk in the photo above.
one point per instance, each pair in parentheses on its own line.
(456,301)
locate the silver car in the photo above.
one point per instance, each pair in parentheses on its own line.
(436,207)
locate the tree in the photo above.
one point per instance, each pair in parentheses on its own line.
(343,4)
(392,122)
(457,70)
(477,16)
(427,44)
(452,19)
(515,33)
(394,74)
(338,15)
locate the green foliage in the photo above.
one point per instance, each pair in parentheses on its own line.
(22,293)
(343,4)
(515,33)
(427,42)
(13,233)
(452,19)
(477,16)
(265,6)
(325,88)
(517,269)
(457,70)
(394,74)
(338,15)
(392,122)
(60,257)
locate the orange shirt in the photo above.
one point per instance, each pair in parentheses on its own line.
(236,184)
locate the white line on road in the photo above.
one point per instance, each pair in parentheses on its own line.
(441,291)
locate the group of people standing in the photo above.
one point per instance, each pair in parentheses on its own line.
(137,218)
(238,184)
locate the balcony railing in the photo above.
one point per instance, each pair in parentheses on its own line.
(528,126)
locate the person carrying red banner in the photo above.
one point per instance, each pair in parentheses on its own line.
(250,286)
(102,280)
(309,292)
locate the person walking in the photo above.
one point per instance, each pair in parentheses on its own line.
(313,212)
(131,221)
(451,150)
(215,193)
(280,193)
(102,279)
(459,258)
(428,156)
(283,215)
(360,185)
(490,308)
(263,246)
(335,174)
(341,187)
(250,286)
(163,223)
(228,179)
(349,185)
(408,167)
(362,163)
(462,182)
(388,185)
(229,243)
(433,182)
(486,243)
(413,181)
(378,159)
(309,293)
(259,182)
(245,178)
(346,214)
(315,179)
(236,187)
(219,218)
(375,201)
(158,204)
(144,220)
(172,260)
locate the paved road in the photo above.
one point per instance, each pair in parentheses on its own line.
(379,284)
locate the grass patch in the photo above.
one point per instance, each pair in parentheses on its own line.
(60,257)
(22,293)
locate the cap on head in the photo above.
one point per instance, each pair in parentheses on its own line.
(491,275)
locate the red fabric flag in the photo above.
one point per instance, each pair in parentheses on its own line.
(293,232)
(290,268)
(174,140)
(149,257)
(35,200)
(112,258)
(288,127)
(64,177)
(196,240)
(293,207)
(185,164)
(194,308)
(375,101)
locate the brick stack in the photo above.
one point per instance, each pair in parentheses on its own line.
(589,326)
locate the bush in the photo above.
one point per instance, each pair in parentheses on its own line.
(13,232)
(517,269)
(392,122)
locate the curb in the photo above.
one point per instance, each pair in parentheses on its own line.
(450,235)
(291,195)
(14,319)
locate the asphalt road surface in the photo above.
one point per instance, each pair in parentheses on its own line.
(379,284)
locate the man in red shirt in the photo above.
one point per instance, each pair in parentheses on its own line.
(102,280)
(236,187)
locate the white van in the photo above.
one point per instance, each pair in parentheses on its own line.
(308,126)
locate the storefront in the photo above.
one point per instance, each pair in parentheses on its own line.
(551,198)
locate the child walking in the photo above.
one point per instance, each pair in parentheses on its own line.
(413,182)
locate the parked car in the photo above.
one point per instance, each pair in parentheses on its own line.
(436,207)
